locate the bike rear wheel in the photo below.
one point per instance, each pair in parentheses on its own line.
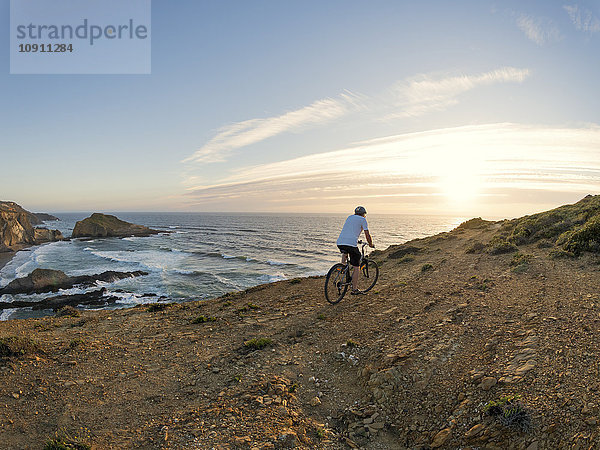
(367,275)
(336,283)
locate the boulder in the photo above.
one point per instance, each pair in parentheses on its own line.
(40,280)
(104,225)
(43,235)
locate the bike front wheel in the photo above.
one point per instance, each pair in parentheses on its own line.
(367,275)
(336,283)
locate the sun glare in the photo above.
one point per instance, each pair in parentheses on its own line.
(461,189)
(460,179)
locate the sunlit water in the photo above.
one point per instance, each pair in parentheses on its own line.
(206,255)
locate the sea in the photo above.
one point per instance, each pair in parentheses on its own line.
(204,255)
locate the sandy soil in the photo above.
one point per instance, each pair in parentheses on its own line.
(410,365)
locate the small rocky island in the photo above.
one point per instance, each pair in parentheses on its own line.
(104,225)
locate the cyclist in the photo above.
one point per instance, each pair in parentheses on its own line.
(348,242)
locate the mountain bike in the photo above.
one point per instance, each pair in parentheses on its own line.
(339,277)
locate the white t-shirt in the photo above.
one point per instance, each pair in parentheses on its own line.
(352,229)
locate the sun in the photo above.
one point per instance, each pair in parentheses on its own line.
(460,177)
(461,188)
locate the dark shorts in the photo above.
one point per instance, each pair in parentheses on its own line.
(353,252)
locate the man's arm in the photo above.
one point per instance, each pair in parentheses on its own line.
(369,240)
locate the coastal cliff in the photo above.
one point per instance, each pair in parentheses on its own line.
(16,228)
(482,337)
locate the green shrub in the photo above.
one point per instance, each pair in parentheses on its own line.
(402,251)
(426,267)
(237,378)
(559,253)
(351,344)
(583,239)
(476,247)
(68,311)
(576,226)
(17,346)
(159,307)
(258,343)
(510,412)
(520,262)
(474,224)
(65,441)
(204,319)
(500,246)
(76,343)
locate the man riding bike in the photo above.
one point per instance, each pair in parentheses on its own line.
(348,242)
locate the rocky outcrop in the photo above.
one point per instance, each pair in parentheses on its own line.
(47,280)
(44,217)
(93,298)
(17,231)
(15,226)
(43,235)
(103,225)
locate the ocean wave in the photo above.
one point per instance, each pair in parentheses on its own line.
(316,273)
(149,259)
(266,278)
(128,298)
(221,255)
(188,272)
(279,263)
(5,315)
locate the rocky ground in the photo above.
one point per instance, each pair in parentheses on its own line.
(456,347)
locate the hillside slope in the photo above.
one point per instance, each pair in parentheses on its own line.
(452,326)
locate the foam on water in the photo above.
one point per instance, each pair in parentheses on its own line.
(5,314)
(279,263)
(272,278)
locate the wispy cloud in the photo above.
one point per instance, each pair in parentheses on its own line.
(583,19)
(249,132)
(425,93)
(539,30)
(419,169)
(412,97)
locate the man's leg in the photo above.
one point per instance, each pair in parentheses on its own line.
(344,258)
(354,278)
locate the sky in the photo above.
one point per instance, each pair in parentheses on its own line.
(467,108)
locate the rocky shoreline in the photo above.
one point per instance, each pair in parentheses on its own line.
(18,233)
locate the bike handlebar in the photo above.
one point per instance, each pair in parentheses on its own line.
(364,244)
